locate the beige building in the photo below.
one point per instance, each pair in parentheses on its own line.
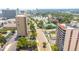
(71,42)
(10,23)
(21,24)
(68,37)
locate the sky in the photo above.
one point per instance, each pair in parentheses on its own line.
(40,4)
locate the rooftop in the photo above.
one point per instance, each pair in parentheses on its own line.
(20,16)
(2,21)
(72,25)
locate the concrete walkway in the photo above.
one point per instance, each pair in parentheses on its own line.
(40,39)
(11,47)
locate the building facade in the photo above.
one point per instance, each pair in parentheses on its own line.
(8,13)
(71,42)
(21,24)
(68,38)
(60,37)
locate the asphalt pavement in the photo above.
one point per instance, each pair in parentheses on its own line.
(11,44)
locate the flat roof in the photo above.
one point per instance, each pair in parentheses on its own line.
(2,21)
(65,26)
(20,16)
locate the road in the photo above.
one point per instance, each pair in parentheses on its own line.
(11,44)
(11,47)
(40,39)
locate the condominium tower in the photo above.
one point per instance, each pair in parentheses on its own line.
(68,37)
(21,24)
(7,13)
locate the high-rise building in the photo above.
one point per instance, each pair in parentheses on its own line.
(17,11)
(60,36)
(71,42)
(68,37)
(21,24)
(8,13)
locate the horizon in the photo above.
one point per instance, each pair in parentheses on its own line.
(38,9)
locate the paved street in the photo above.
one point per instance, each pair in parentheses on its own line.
(10,45)
(13,37)
(40,39)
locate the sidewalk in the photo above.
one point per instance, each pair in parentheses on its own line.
(40,39)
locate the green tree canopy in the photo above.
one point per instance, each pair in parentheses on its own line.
(22,42)
(2,39)
(54,47)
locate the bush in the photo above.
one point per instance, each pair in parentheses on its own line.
(23,43)
(54,47)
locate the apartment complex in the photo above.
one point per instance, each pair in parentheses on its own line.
(68,37)
(8,13)
(60,36)
(21,24)
(10,23)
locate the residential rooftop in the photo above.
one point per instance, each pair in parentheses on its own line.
(20,16)
(72,25)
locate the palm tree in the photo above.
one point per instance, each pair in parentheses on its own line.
(22,43)
(32,27)
(40,24)
(29,44)
(2,40)
(34,44)
(33,31)
(33,35)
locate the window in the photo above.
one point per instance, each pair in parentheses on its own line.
(77,41)
(70,39)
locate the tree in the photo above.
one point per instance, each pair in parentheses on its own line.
(29,44)
(44,44)
(63,17)
(32,27)
(2,40)
(33,31)
(49,27)
(36,21)
(40,24)
(55,21)
(13,31)
(22,43)
(3,31)
(54,47)
(34,44)
(33,35)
